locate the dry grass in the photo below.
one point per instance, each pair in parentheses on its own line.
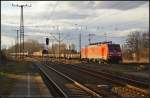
(8,74)
(6,83)
(142,60)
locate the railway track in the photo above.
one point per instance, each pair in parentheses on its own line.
(143,81)
(118,80)
(123,89)
(63,86)
(106,93)
(116,77)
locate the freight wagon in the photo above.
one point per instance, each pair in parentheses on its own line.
(102,52)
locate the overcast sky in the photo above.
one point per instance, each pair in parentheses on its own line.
(116,19)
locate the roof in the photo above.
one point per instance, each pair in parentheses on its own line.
(105,42)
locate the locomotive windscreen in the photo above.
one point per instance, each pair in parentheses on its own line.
(114,47)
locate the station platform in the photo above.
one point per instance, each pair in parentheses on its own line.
(30,85)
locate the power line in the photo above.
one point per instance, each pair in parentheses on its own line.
(59,40)
(90,35)
(21,27)
(103,16)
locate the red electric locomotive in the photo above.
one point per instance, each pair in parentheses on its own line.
(102,52)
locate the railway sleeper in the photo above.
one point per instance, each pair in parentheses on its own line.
(129,88)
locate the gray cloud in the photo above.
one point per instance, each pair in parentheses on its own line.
(83,4)
(58,15)
(81,10)
(8,30)
(70,15)
(119,5)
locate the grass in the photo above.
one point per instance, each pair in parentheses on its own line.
(15,67)
(142,60)
(8,73)
(6,83)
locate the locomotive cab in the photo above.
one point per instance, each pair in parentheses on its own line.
(114,54)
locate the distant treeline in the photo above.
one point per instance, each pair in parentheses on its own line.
(32,46)
(136,46)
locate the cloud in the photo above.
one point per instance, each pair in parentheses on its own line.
(32,34)
(124,33)
(108,15)
(8,30)
(83,4)
(119,5)
(7,41)
(61,15)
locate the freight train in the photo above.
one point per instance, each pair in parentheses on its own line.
(62,55)
(102,52)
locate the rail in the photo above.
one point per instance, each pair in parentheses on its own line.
(93,93)
(112,78)
(59,91)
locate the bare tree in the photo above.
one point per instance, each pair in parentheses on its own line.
(63,48)
(137,43)
(30,47)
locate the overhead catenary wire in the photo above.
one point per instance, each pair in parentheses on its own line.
(53,10)
(104,16)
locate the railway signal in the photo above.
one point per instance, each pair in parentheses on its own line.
(47,41)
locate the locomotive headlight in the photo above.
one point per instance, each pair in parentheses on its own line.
(110,54)
(119,54)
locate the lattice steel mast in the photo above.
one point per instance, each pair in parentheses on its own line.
(21,28)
